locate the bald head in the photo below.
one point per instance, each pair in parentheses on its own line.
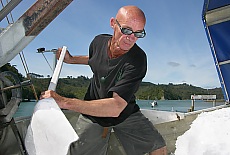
(131,13)
(131,19)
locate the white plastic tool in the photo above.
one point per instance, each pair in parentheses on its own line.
(49,131)
(57,71)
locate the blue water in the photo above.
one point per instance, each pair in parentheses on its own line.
(176,105)
(26,108)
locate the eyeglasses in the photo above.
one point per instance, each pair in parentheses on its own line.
(127,31)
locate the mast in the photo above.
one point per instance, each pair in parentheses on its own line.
(18,35)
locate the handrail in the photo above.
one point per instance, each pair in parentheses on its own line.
(207,109)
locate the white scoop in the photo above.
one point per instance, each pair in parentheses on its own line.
(50,132)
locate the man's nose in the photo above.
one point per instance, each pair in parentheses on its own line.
(132,37)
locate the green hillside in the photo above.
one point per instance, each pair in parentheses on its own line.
(76,87)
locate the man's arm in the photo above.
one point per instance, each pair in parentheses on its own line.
(109,107)
(73,59)
(78,60)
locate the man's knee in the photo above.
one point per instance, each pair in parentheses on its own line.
(160,151)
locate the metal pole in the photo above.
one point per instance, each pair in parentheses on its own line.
(55,60)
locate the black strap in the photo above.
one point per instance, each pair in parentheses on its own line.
(18,137)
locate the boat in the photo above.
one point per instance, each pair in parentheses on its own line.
(216,19)
(154,103)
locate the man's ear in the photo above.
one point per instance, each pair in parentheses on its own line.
(112,22)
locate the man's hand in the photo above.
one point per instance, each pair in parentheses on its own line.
(67,58)
(46,94)
(50,93)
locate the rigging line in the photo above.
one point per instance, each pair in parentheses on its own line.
(22,57)
(11,14)
(23,63)
(23,60)
(27,74)
(47,61)
(6,15)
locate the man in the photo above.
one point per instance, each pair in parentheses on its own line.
(119,65)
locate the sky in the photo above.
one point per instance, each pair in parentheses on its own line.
(176,44)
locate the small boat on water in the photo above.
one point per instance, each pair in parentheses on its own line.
(154,103)
(216,18)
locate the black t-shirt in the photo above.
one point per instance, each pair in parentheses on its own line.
(122,75)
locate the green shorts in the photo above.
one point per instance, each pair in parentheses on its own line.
(136,134)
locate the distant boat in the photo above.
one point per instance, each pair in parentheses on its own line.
(154,103)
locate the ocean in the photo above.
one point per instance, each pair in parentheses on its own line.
(26,108)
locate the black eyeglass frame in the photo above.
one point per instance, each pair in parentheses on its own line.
(127,31)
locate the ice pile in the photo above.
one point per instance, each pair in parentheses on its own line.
(49,132)
(209,135)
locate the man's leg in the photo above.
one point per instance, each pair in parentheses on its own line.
(160,151)
(138,135)
(90,138)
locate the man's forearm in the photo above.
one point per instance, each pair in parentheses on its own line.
(78,60)
(109,107)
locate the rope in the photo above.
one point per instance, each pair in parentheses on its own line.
(22,57)
(3,7)
(47,61)
(7,15)
(10,14)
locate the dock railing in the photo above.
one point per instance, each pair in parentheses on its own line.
(202,97)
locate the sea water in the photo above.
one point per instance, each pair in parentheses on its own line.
(27,108)
(177,105)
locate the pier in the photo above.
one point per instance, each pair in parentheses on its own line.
(201,97)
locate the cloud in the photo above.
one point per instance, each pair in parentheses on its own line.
(192,65)
(173,64)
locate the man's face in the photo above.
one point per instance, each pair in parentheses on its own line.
(125,42)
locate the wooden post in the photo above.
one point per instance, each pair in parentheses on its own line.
(193,105)
(214,103)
